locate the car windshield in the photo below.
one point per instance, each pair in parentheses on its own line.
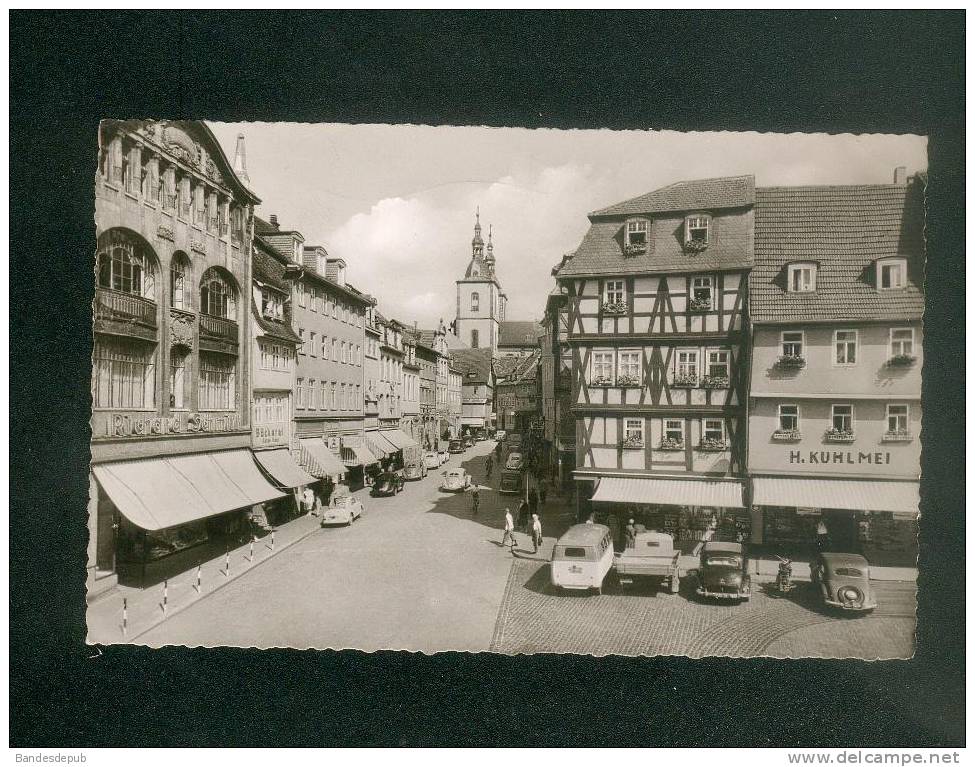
(722,560)
(342,500)
(849,572)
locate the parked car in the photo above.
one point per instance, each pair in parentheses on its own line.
(513,439)
(444,456)
(843,581)
(415,471)
(455,481)
(582,557)
(651,556)
(514,461)
(512,482)
(341,510)
(499,435)
(386,484)
(431,461)
(455,446)
(723,573)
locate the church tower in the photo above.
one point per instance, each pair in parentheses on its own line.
(480,300)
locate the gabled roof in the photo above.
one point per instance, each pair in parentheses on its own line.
(278,329)
(845,229)
(519,333)
(476,361)
(699,194)
(268,265)
(509,370)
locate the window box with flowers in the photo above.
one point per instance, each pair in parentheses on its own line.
(635,249)
(614,307)
(684,381)
(695,246)
(633,442)
(702,304)
(837,435)
(715,382)
(669,443)
(786,435)
(897,435)
(601,381)
(901,361)
(791,362)
(712,445)
(626,381)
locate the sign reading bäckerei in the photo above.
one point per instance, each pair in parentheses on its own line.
(114,425)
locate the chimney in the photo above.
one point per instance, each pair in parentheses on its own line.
(900,175)
(274,220)
(240,160)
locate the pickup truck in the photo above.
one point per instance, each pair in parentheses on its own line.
(652,555)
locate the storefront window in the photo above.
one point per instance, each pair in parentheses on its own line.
(218,386)
(123,373)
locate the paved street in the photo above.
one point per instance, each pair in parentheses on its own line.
(418,572)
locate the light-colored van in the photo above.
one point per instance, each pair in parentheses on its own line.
(582,557)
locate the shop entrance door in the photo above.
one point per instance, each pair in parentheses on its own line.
(842,527)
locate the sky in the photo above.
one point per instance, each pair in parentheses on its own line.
(397,202)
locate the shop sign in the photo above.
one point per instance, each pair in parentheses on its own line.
(144,425)
(834,457)
(806,511)
(334,444)
(270,434)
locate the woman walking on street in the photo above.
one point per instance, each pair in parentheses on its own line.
(475,500)
(536,532)
(509,530)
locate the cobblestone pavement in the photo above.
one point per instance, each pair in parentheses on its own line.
(533,618)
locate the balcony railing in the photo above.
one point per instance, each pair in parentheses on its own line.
(218,327)
(116,305)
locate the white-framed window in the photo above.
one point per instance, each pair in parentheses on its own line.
(324,395)
(718,363)
(845,347)
(898,418)
(332,395)
(218,297)
(842,417)
(179,269)
(686,364)
(713,429)
(218,381)
(633,430)
(335,349)
(475,302)
(602,367)
(793,342)
(177,376)
(300,393)
(124,265)
(636,233)
(615,291)
(697,228)
(901,341)
(628,365)
(312,394)
(789,417)
(325,345)
(802,277)
(312,344)
(313,296)
(702,291)
(301,337)
(345,353)
(123,374)
(302,296)
(674,430)
(891,273)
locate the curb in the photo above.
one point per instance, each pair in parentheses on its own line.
(176,611)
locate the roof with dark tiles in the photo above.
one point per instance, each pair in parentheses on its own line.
(845,229)
(519,333)
(698,194)
(476,361)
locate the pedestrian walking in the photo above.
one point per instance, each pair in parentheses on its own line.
(536,532)
(822,535)
(475,500)
(307,500)
(509,530)
(630,535)
(523,518)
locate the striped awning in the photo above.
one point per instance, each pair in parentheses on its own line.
(379,445)
(156,493)
(282,468)
(360,455)
(852,494)
(671,492)
(400,439)
(319,460)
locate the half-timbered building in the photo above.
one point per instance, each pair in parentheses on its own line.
(656,312)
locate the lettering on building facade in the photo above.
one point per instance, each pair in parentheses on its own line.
(847,457)
(150,425)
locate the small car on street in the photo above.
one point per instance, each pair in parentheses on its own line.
(512,482)
(843,581)
(514,461)
(341,510)
(455,481)
(388,483)
(723,573)
(431,460)
(513,439)
(582,557)
(414,471)
(455,446)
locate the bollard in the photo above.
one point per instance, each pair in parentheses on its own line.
(125,616)
(199,575)
(165,595)
(272,539)
(252,548)
(226,566)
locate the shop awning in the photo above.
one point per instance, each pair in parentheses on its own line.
(471,420)
(156,493)
(323,462)
(363,456)
(379,446)
(400,439)
(852,494)
(674,492)
(281,466)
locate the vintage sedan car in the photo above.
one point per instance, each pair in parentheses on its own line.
(843,581)
(388,483)
(431,460)
(341,510)
(723,572)
(416,471)
(455,481)
(499,435)
(514,461)
(455,446)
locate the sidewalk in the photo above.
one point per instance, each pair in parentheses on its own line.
(144,607)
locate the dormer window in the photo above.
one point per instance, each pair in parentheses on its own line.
(802,278)
(272,307)
(891,273)
(697,229)
(636,234)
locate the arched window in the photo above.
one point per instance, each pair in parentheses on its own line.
(474,339)
(217,296)
(125,265)
(179,274)
(475,302)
